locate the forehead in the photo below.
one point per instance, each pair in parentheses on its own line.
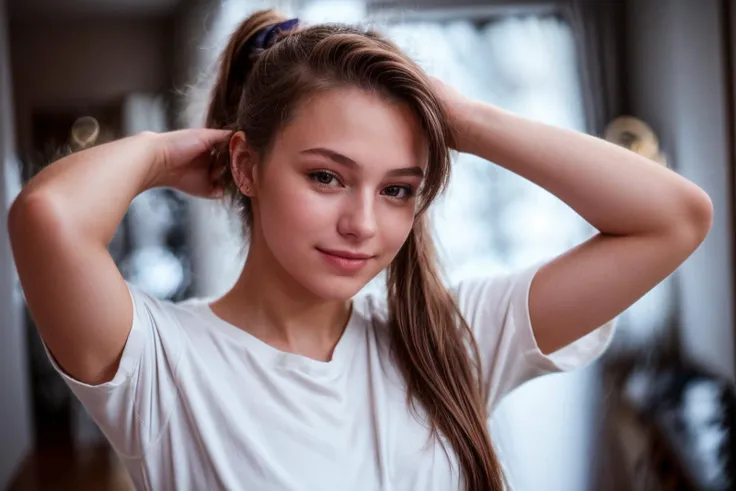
(367,127)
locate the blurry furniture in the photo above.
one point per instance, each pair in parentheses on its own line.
(673,427)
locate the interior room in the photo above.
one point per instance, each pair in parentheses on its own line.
(655,412)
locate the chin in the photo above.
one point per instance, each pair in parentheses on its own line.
(336,288)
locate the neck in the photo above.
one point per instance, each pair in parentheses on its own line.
(270,304)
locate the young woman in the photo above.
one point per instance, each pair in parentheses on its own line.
(332,143)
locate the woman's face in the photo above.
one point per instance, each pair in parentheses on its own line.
(336,198)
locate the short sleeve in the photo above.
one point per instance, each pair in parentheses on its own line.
(497,310)
(133,408)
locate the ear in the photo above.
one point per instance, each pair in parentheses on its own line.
(243,164)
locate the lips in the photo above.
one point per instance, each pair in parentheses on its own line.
(345,261)
(345,254)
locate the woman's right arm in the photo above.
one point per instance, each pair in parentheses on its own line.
(60,226)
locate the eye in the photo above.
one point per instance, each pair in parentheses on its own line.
(399,192)
(324,178)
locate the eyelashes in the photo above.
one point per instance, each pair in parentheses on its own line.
(328,179)
(324,178)
(408,192)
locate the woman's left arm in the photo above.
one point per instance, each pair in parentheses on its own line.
(650,219)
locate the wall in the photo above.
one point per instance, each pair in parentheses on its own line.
(90,8)
(78,62)
(15,425)
(677,84)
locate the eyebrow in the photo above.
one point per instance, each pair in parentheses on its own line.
(348,162)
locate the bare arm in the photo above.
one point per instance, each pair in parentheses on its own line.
(650,219)
(60,226)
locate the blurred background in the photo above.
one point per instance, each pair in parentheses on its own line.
(658,76)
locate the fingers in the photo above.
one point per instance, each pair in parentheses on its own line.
(213,136)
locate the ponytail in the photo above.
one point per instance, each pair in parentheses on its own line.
(430,340)
(227,100)
(236,64)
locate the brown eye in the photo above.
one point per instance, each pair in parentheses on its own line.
(323,178)
(399,192)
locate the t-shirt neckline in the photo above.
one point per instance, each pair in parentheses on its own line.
(284,359)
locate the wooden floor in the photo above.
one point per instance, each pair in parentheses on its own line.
(59,469)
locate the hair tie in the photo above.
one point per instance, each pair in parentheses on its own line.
(266,36)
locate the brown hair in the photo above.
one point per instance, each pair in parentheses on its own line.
(256,90)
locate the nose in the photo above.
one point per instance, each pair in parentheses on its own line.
(358,217)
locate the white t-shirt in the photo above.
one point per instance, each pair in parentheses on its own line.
(198,404)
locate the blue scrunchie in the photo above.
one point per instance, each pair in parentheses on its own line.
(266,36)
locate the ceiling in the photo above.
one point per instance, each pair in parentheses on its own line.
(73,9)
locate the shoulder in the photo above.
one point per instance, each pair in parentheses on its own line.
(171,322)
(495,289)
(161,313)
(479,297)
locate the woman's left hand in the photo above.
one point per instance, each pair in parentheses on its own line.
(458,108)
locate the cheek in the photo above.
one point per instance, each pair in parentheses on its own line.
(293,215)
(394,228)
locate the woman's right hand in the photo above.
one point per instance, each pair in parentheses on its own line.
(60,227)
(183,160)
